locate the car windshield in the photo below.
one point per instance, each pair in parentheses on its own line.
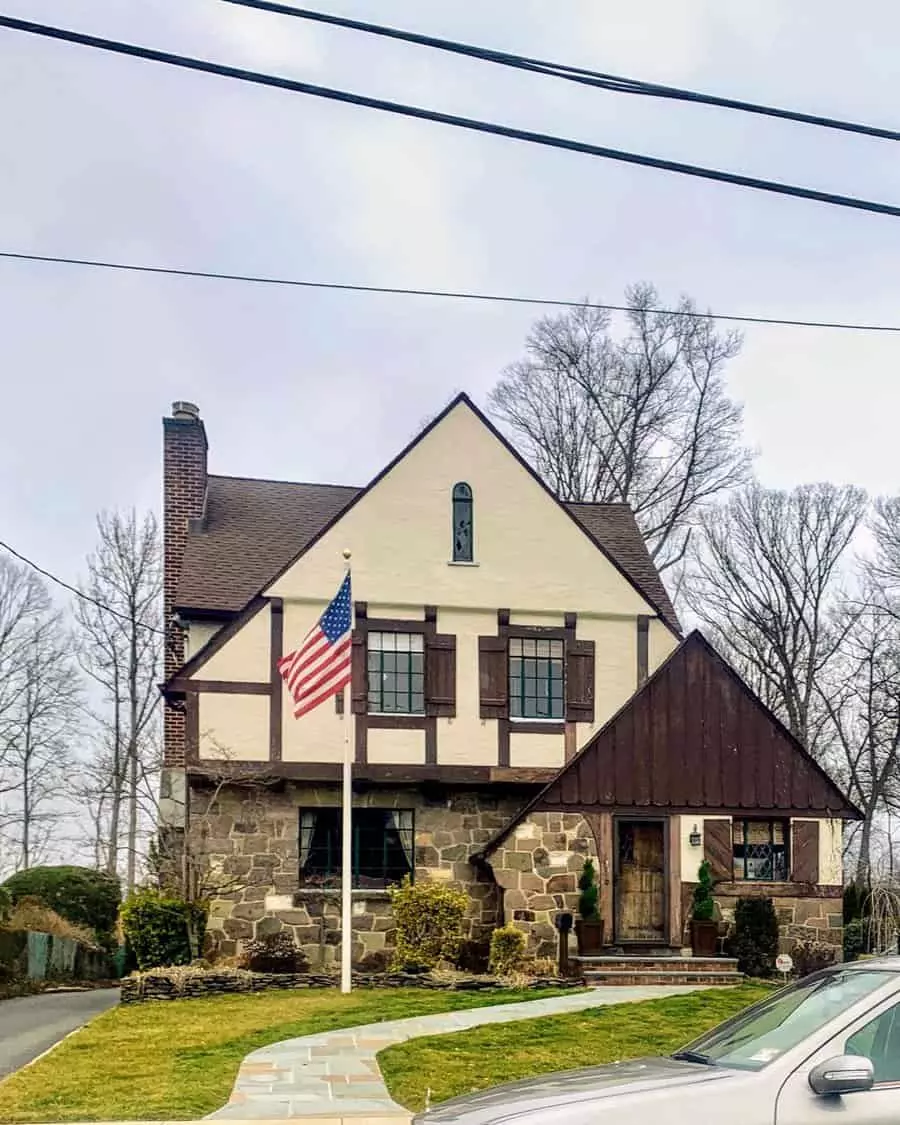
(765,1031)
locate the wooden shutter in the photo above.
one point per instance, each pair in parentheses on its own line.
(580,681)
(718,851)
(805,851)
(359,679)
(440,674)
(493,678)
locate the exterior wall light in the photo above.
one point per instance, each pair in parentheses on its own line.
(695,838)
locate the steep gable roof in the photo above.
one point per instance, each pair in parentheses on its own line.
(254,530)
(695,736)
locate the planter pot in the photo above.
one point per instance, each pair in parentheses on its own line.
(590,937)
(704,938)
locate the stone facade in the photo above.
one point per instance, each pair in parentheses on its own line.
(805,912)
(537,867)
(246,841)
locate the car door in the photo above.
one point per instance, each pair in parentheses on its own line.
(875,1036)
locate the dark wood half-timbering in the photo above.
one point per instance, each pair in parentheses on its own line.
(643,648)
(579,681)
(804,851)
(276,698)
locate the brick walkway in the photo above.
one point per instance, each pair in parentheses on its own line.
(323,1079)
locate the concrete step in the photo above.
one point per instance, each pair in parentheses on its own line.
(637,977)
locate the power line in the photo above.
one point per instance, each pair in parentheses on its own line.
(469,123)
(78,593)
(459,295)
(612,82)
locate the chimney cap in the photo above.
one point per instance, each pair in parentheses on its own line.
(186,410)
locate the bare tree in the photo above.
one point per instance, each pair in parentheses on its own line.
(120,648)
(23,600)
(859,691)
(644,419)
(765,578)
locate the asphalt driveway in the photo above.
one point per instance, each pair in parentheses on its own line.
(29,1025)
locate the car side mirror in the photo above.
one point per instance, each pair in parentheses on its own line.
(845,1074)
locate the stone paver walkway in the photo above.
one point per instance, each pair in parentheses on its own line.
(335,1075)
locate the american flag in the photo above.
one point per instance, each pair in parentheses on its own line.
(320,667)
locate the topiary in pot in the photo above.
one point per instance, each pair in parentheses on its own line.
(589,927)
(704,930)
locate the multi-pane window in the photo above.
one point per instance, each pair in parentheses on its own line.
(761,850)
(383,846)
(463,538)
(396,668)
(536,683)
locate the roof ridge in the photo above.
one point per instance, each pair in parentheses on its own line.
(273,480)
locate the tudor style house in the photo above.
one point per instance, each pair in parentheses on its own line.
(521,698)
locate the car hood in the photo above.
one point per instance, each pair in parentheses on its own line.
(536,1098)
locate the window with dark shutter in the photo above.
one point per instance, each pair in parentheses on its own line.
(440,675)
(580,681)
(761,850)
(805,851)
(492,678)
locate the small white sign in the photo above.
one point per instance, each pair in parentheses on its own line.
(784,963)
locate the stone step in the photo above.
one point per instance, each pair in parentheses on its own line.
(640,977)
(663,964)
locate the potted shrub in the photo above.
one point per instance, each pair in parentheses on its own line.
(704,930)
(589,927)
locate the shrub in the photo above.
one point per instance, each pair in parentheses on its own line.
(5,905)
(755,939)
(162,929)
(507,950)
(704,905)
(589,897)
(810,956)
(275,953)
(429,919)
(82,895)
(856,938)
(856,902)
(31,914)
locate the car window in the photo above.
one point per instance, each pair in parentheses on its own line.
(764,1032)
(879,1041)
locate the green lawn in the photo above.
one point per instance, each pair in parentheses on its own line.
(486,1056)
(177,1059)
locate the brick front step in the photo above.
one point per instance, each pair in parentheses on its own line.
(658,964)
(639,977)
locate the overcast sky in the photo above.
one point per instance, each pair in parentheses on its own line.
(113,158)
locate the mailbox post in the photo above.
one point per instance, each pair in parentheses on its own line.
(563,923)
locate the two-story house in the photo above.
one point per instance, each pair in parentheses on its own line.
(522,698)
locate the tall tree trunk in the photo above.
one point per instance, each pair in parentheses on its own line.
(864,862)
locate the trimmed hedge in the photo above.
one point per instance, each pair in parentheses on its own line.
(80,894)
(507,950)
(756,934)
(429,919)
(162,929)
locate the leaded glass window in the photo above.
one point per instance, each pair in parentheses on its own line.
(536,683)
(463,541)
(396,666)
(760,850)
(383,847)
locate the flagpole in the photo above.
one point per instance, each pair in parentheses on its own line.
(347,838)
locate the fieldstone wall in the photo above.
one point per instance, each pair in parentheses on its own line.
(537,867)
(247,842)
(806,912)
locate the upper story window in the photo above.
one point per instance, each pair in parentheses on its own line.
(536,680)
(760,850)
(463,541)
(396,668)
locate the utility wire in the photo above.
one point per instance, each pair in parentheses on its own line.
(78,593)
(461,295)
(613,82)
(469,123)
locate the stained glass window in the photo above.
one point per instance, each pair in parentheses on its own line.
(463,542)
(760,850)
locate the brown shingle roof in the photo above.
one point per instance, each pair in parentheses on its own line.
(254,528)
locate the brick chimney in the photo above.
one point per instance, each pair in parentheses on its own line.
(184,499)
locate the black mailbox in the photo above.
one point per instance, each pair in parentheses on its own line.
(563,923)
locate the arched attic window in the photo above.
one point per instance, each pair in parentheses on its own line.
(463,540)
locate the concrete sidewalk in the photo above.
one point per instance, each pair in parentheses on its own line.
(334,1077)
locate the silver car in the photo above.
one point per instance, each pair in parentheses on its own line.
(823,1051)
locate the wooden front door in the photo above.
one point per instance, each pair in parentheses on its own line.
(641,881)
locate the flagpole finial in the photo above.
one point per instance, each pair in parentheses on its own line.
(346,553)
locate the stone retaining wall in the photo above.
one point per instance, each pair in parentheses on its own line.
(248,842)
(190,983)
